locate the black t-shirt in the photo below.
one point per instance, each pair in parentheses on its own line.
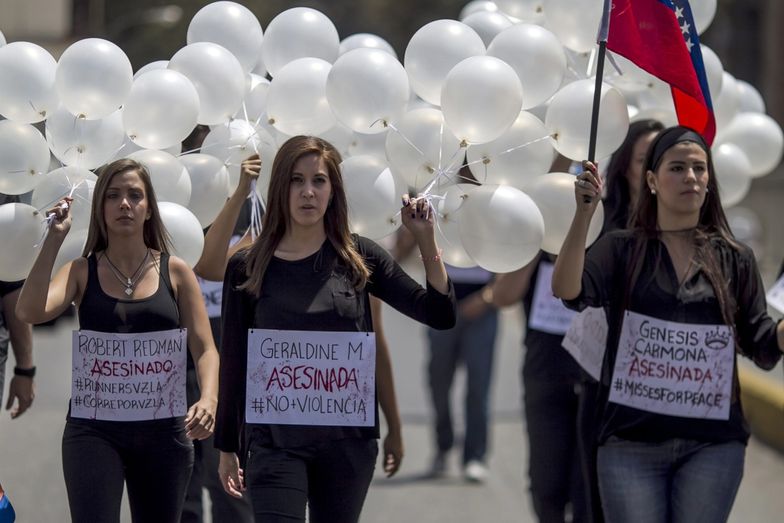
(658,294)
(312,294)
(545,358)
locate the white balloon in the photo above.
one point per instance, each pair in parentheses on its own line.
(297,98)
(255,103)
(369,144)
(733,173)
(366,89)
(341,137)
(448,235)
(27,92)
(481,99)
(727,104)
(217,76)
(71,181)
(93,78)
(373,202)
(71,248)
(537,57)
(528,11)
(569,120)
(760,137)
(703,12)
(129,147)
(575,22)
(487,24)
(169,177)
(209,186)
(2,39)
(161,110)
(84,143)
(21,229)
(713,69)
(507,161)
(422,146)
(751,100)
(260,68)
(553,194)
(152,66)
(24,157)
(477,6)
(300,32)
(187,237)
(231,25)
(365,41)
(631,80)
(501,227)
(434,50)
(233,142)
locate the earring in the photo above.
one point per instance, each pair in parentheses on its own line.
(707,189)
(653,191)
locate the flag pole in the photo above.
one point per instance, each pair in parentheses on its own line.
(597,90)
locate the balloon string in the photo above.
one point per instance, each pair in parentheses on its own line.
(507,151)
(50,217)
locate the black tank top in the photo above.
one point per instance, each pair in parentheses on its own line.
(102,313)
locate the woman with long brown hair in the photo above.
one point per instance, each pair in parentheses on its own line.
(304,285)
(140,309)
(683,297)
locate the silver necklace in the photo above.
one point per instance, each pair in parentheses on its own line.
(128,282)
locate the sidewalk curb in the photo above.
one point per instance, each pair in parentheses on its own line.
(762,398)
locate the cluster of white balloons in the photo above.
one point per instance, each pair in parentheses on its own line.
(501,91)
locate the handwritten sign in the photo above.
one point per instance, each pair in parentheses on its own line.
(128,377)
(548,314)
(311,378)
(677,369)
(586,340)
(775,295)
(212,292)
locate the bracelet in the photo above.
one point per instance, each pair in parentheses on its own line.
(435,258)
(27,373)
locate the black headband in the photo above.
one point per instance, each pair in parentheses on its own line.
(670,137)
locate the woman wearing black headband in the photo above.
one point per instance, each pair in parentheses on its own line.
(683,297)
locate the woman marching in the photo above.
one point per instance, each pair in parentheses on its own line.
(683,297)
(307,278)
(139,310)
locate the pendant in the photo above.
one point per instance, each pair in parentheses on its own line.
(128,291)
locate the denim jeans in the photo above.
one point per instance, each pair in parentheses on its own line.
(676,481)
(470,342)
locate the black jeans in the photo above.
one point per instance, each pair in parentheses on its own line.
(554,467)
(154,460)
(331,478)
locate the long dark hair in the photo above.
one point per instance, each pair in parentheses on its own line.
(617,202)
(155,234)
(712,226)
(277,217)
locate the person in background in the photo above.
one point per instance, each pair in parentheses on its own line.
(683,298)
(21,391)
(306,271)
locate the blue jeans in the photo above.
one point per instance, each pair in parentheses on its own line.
(674,481)
(470,342)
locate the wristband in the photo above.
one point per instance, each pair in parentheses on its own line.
(27,373)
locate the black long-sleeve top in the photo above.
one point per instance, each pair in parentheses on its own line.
(658,294)
(314,294)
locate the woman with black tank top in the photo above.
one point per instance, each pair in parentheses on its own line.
(140,309)
(305,283)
